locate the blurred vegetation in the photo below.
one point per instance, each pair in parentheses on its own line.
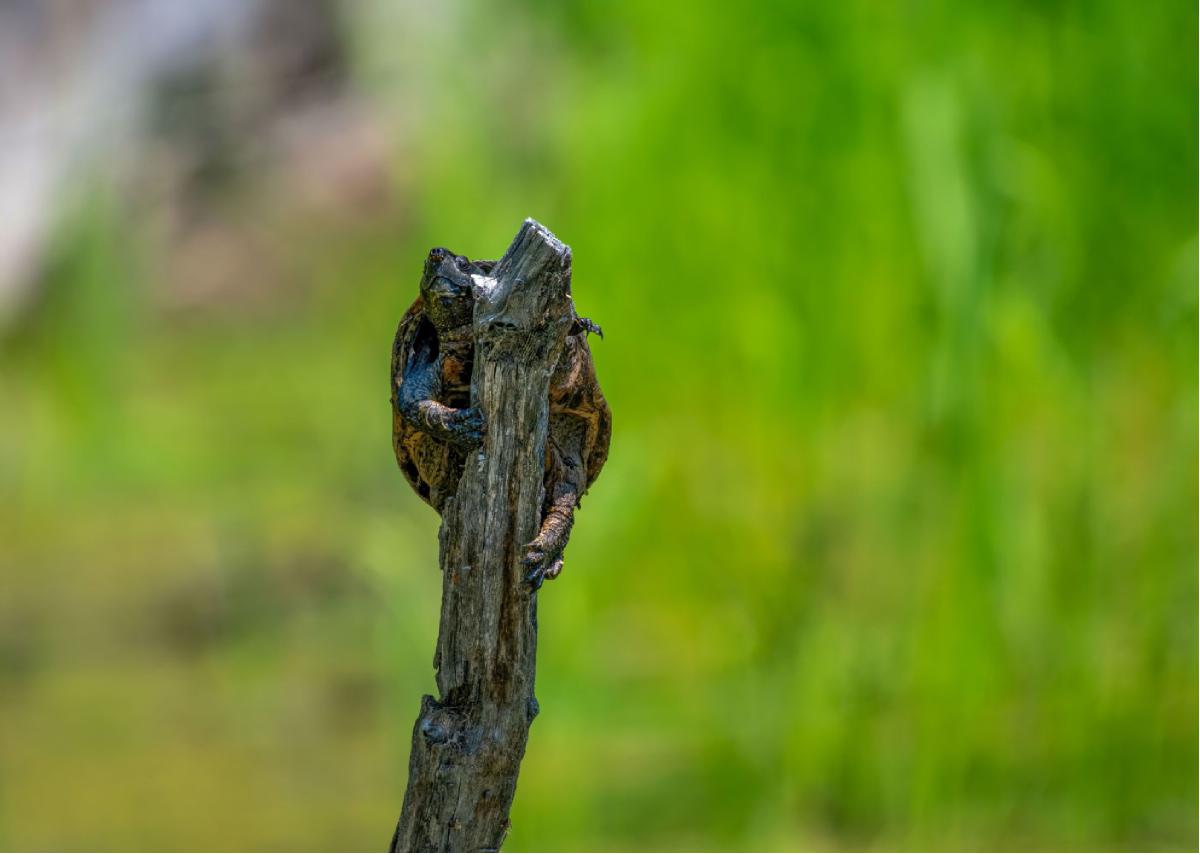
(896,547)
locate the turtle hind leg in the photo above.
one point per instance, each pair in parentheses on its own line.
(544,555)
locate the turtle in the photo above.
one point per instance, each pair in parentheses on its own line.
(435,428)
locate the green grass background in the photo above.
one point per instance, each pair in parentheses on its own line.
(896,546)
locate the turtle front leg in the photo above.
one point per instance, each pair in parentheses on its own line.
(581,324)
(417,399)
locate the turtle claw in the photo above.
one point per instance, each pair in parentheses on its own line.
(541,567)
(589,326)
(535,578)
(465,428)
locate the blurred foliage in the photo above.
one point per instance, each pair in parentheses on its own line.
(896,547)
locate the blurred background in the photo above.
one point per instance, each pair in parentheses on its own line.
(896,547)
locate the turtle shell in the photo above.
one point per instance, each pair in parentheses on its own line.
(575,392)
(433,466)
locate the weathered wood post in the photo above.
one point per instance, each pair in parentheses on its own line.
(467,745)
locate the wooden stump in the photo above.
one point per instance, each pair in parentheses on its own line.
(467,745)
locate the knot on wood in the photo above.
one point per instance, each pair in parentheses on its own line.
(439,724)
(433,732)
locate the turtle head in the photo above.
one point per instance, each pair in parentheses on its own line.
(447,288)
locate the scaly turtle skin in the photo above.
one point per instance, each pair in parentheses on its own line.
(434,426)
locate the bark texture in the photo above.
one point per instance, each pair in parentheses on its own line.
(468,744)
